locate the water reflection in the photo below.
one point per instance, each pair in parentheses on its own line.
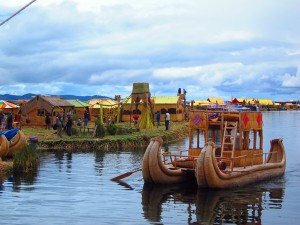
(125,185)
(208,206)
(238,207)
(154,196)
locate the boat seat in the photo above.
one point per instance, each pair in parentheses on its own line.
(186,158)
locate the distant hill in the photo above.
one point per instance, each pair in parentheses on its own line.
(30,96)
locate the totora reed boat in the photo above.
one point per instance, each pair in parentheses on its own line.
(156,171)
(16,141)
(4,146)
(231,154)
(208,173)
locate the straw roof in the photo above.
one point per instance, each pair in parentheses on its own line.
(47,102)
(166,100)
(215,100)
(160,100)
(238,100)
(201,102)
(78,103)
(262,101)
(104,102)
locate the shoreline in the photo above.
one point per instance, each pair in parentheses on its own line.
(47,140)
(111,142)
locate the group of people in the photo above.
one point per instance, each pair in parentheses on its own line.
(60,125)
(167,119)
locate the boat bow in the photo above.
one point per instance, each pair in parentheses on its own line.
(155,171)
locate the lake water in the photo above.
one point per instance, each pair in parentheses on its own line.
(76,189)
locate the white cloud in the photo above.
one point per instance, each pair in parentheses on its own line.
(211,48)
(292,81)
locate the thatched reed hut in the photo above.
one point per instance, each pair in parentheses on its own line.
(104,109)
(35,110)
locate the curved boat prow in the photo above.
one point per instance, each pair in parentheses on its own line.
(146,167)
(277,151)
(155,171)
(208,173)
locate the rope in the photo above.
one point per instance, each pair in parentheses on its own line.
(17,12)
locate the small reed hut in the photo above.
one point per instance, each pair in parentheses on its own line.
(105,109)
(35,110)
(173,104)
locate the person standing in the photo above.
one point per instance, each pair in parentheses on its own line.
(47,122)
(27,119)
(79,122)
(69,125)
(59,123)
(86,116)
(135,119)
(158,118)
(9,122)
(167,120)
(179,90)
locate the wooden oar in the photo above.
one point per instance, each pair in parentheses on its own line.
(125,175)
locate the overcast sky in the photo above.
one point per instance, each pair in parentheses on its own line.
(212,48)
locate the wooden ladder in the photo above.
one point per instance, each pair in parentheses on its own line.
(229,138)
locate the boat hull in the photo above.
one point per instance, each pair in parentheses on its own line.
(209,175)
(4,146)
(155,171)
(17,143)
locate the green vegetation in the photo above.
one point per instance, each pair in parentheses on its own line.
(112,129)
(113,137)
(27,159)
(100,131)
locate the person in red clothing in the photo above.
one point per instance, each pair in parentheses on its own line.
(135,118)
(222,166)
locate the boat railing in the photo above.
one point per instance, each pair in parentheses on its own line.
(232,159)
(167,158)
(265,155)
(270,154)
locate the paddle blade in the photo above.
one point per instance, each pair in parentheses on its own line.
(124,175)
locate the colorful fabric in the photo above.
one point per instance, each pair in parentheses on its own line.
(7,105)
(9,134)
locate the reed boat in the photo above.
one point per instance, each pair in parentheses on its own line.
(4,146)
(17,140)
(155,170)
(208,173)
(233,138)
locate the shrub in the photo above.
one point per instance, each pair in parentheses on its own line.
(27,159)
(124,130)
(112,129)
(100,131)
(75,130)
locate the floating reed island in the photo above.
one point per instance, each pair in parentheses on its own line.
(38,139)
(125,137)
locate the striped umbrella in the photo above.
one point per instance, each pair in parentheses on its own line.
(7,105)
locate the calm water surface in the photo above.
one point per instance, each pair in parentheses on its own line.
(76,189)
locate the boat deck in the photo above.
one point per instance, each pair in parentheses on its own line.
(228,170)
